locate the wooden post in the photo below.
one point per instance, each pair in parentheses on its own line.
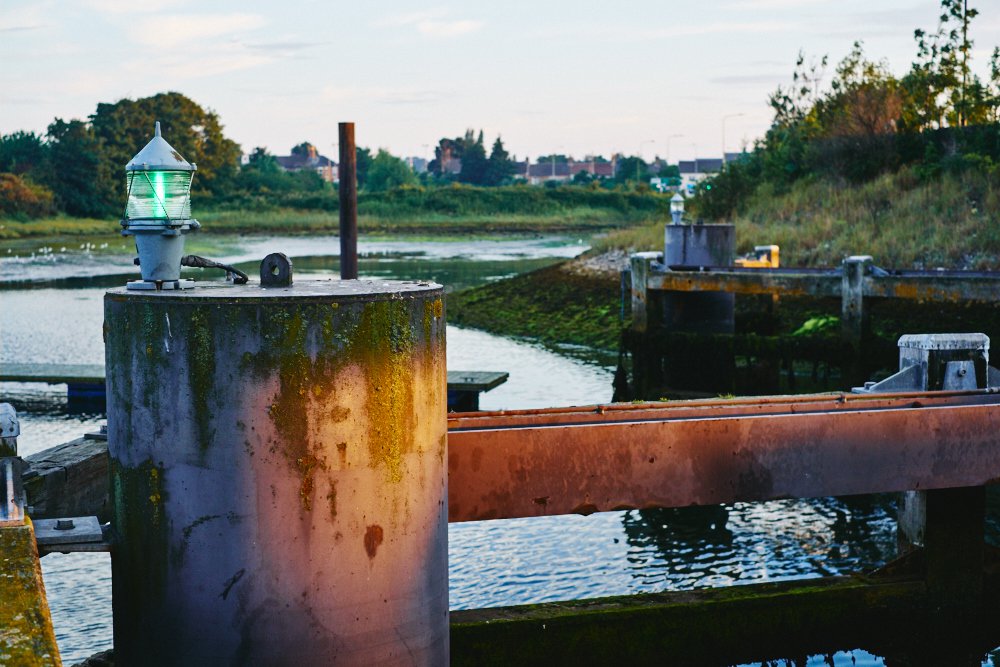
(348,175)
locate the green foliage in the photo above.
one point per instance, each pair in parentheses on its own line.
(500,168)
(22,199)
(126,126)
(388,171)
(23,153)
(80,173)
(474,163)
(632,169)
(938,118)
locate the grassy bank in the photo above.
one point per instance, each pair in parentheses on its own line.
(555,305)
(445,210)
(902,221)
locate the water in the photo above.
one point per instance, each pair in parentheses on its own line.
(491,563)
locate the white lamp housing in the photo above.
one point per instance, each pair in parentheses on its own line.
(158,213)
(677,207)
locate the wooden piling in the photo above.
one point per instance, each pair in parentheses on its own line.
(348,175)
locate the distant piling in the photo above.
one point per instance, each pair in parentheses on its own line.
(278,474)
(347,171)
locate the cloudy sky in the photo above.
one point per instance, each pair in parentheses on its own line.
(573,77)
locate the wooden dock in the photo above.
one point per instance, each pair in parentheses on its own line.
(85,382)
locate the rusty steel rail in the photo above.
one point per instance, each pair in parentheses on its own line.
(583,460)
(917,285)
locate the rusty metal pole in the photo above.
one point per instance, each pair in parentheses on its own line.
(278,474)
(348,175)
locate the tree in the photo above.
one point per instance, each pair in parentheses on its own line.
(388,171)
(499,167)
(474,163)
(23,153)
(305,149)
(81,177)
(629,168)
(363,161)
(124,127)
(20,198)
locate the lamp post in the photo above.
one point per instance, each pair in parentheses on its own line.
(724,119)
(638,160)
(677,207)
(158,213)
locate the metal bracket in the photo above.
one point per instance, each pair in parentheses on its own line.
(276,271)
(80,533)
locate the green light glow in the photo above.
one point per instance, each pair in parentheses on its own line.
(158,195)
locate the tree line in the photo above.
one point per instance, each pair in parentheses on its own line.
(939,116)
(77,166)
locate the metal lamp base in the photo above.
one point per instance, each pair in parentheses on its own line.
(183,283)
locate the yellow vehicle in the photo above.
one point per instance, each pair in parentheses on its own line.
(762,257)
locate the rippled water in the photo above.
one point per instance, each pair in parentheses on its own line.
(491,563)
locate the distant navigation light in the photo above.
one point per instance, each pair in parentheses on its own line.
(677,207)
(158,212)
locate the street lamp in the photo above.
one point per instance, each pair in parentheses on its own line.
(158,213)
(677,207)
(638,160)
(724,119)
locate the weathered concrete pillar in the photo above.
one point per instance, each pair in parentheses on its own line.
(694,246)
(935,362)
(692,365)
(640,263)
(278,464)
(853,316)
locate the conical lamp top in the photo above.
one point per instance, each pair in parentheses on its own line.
(158,155)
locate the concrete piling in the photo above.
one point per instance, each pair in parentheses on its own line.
(278,474)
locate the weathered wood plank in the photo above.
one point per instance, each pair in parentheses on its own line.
(711,627)
(69,480)
(475,380)
(53,373)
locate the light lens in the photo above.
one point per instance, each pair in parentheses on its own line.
(158,195)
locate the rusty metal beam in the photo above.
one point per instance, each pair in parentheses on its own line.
(566,462)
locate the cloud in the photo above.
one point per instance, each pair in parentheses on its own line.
(383,95)
(183,29)
(22,19)
(629,34)
(117,7)
(433,23)
(448,28)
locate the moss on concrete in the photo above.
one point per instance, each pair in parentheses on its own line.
(26,635)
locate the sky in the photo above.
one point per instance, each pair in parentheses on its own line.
(659,78)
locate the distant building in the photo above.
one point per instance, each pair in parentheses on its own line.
(417,164)
(311,159)
(695,171)
(560,172)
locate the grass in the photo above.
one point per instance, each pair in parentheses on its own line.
(901,221)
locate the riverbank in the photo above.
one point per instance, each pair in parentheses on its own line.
(573,303)
(901,220)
